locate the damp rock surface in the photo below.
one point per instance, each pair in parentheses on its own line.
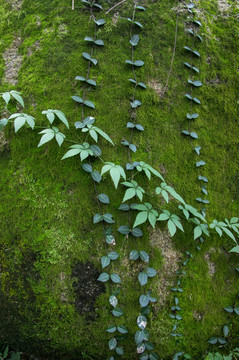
(86,288)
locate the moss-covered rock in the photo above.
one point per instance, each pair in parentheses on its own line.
(47,205)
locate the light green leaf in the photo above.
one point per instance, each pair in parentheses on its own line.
(141,217)
(129,194)
(171,227)
(19,122)
(16,95)
(46,137)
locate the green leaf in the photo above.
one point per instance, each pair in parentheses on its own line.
(59,138)
(112,343)
(151,272)
(144,256)
(143,278)
(138,24)
(105,261)
(97,218)
(46,137)
(139,337)
(153,356)
(6,97)
(141,322)
(141,217)
(117,312)
(229,309)
(134,255)
(88,38)
(137,232)
(113,255)
(99,42)
(235,249)
(100,22)
(16,95)
(122,329)
(115,278)
(103,198)
(171,227)
(225,330)
(90,104)
(119,350)
(113,300)
(143,300)
(139,7)
(19,122)
(103,277)
(138,63)
(197,232)
(77,99)
(3,122)
(91,82)
(123,229)
(62,117)
(96,176)
(129,194)
(108,218)
(103,134)
(134,40)
(80,78)
(111,329)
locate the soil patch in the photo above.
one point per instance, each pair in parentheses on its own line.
(86,288)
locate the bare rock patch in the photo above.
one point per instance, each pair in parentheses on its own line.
(171,258)
(210,263)
(13,61)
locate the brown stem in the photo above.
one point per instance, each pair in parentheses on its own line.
(121,2)
(174,50)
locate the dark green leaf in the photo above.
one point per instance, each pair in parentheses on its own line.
(97,218)
(134,255)
(144,256)
(113,255)
(111,329)
(103,198)
(87,167)
(123,229)
(117,312)
(122,329)
(137,232)
(96,176)
(112,343)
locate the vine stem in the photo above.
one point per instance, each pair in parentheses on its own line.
(119,3)
(174,51)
